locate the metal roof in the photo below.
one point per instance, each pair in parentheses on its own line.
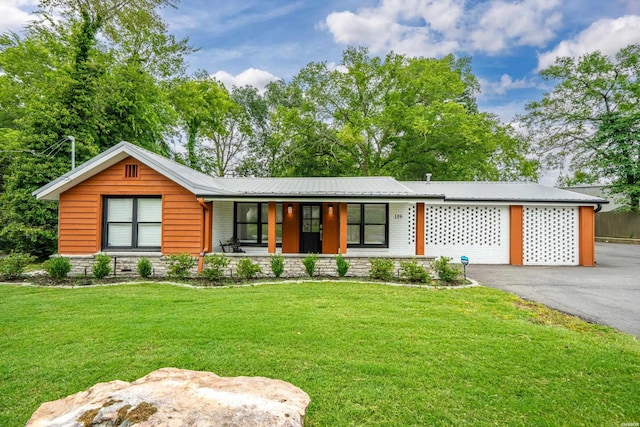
(488,191)
(203,185)
(377,186)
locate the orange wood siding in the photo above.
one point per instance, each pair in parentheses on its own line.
(419,228)
(343,228)
(80,219)
(291,229)
(330,229)
(586,239)
(515,235)
(271,228)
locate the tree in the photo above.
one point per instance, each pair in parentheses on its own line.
(90,69)
(395,116)
(217,125)
(588,122)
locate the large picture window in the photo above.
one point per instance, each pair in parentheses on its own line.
(132,223)
(251,223)
(367,224)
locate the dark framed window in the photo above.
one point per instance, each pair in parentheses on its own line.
(132,223)
(251,223)
(368,225)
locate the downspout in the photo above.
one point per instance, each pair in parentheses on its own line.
(203,237)
(598,209)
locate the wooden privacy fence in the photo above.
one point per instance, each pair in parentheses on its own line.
(618,224)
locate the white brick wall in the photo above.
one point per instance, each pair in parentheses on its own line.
(222,223)
(401,224)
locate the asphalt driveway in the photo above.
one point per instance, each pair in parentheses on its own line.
(608,294)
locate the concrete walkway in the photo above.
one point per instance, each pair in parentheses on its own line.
(608,294)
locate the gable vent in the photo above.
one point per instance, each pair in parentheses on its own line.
(131,171)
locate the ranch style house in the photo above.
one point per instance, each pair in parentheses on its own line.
(129,202)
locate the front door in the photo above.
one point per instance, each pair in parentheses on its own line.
(311,235)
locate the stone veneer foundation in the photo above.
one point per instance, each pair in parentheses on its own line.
(125,264)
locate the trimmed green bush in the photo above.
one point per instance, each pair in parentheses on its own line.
(277,265)
(381,268)
(446,271)
(144,267)
(58,267)
(179,265)
(102,266)
(342,265)
(247,269)
(413,272)
(309,263)
(13,265)
(214,266)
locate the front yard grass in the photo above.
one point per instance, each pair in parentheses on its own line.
(367,354)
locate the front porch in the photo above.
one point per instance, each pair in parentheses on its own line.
(354,227)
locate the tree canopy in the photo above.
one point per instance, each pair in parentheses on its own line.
(395,116)
(589,121)
(89,69)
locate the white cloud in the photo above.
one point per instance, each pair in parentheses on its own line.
(14,14)
(506,112)
(437,27)
(249,77)
(606,35)
(525,23)
(505,84)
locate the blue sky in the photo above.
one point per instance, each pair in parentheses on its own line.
(255,41)
(251,42)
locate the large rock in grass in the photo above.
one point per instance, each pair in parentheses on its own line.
(176,397)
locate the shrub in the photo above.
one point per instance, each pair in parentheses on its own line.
(58,267)
(247,269)
(342,265)
(12,266)
(309,263)
(277,265)
(381,268)
(102,266)
(413,272)
(180,265)
(214,266)
(144,267)
(446,272)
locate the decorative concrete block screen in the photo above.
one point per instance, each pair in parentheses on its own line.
(550,236)
(411,225)
(479,232)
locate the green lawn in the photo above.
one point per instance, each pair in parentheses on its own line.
(366,354)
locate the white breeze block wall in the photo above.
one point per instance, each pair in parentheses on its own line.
(479,232)
(550,236)
(402,233)
(222,223)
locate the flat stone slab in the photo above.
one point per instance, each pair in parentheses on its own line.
(173,397)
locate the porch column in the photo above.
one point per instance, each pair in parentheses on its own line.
(271,228)
(343,229)
(205,229)
(515,235)
(419,228)
(586,236)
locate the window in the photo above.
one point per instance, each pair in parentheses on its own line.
(367,224)
(251,223)
(132,223)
